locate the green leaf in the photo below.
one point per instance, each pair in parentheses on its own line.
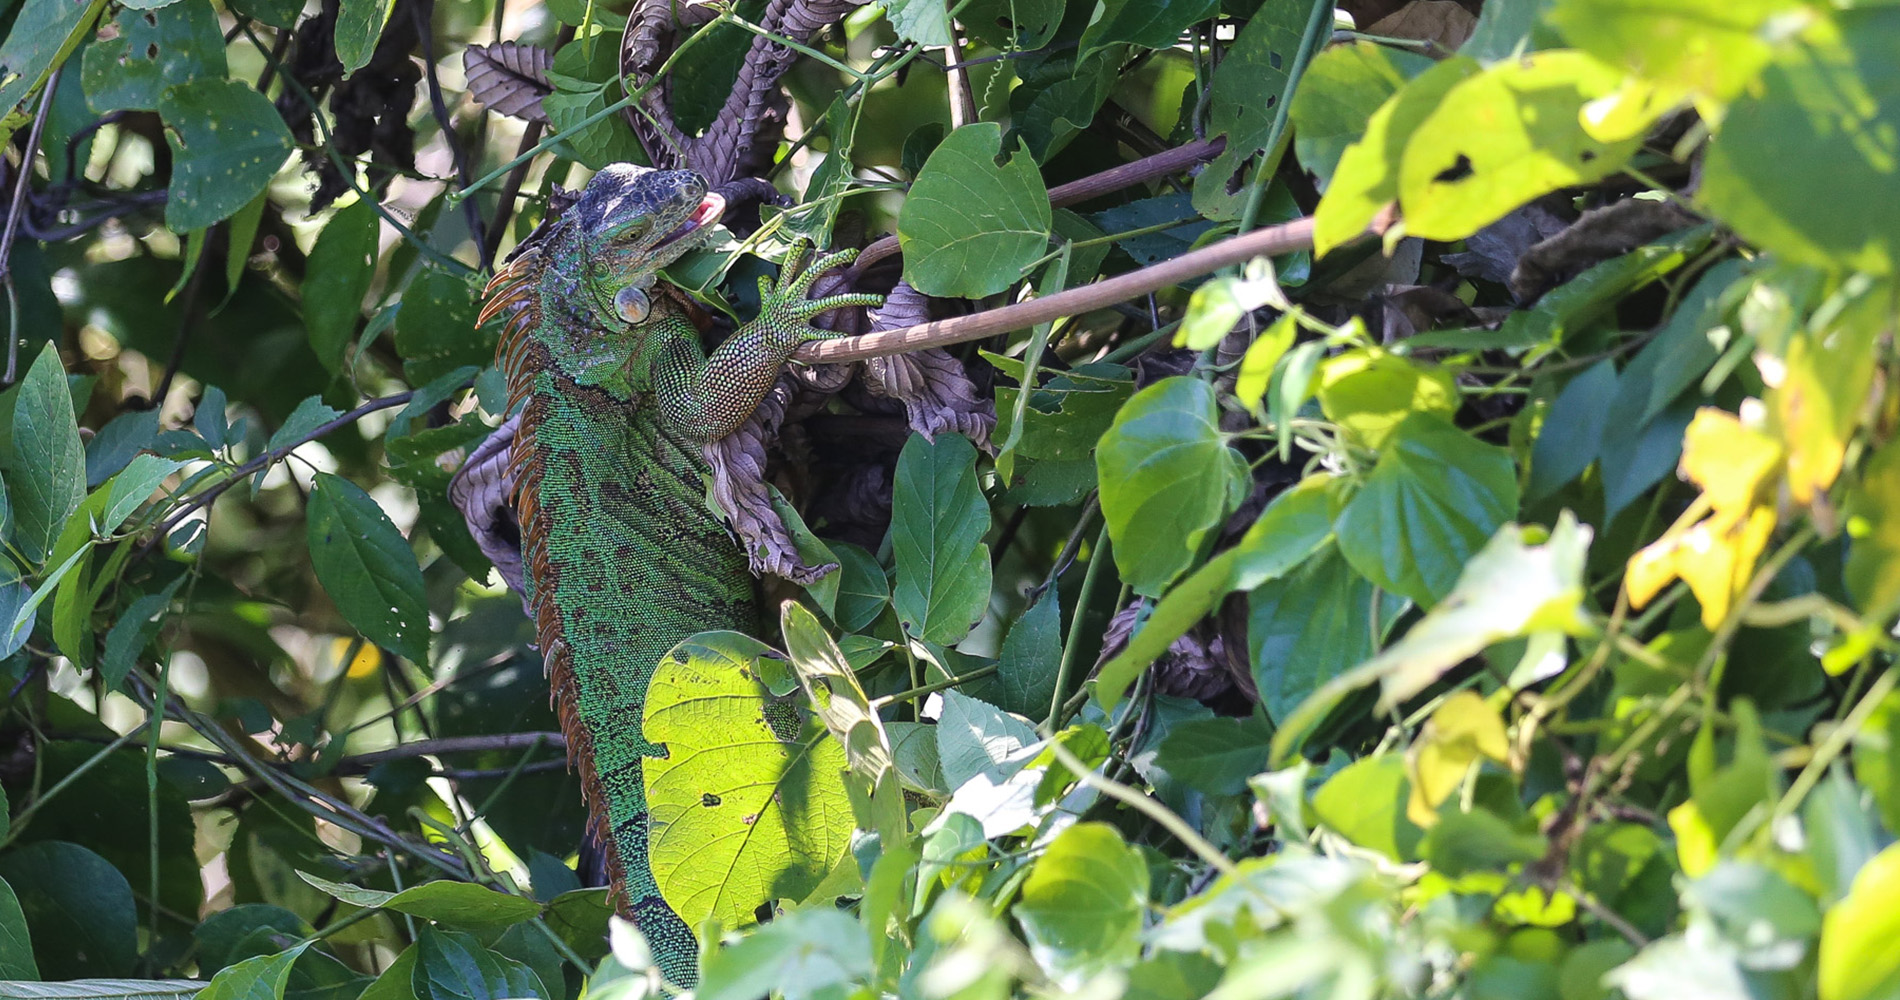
(1510,589)
(747,806)
(1502,138)
(969,227)
(801,954)
(78,908)
(1479,840)
(1367,178)
(1140,22)
(16,944)
(129,635)
(42,35)
(115,445)
(436,331)
(338,275)
(1216,756)
(1168,477)
(1835,96)
(1219,304)
(1341,90)
(1434,497)
(1572,430)
(1709,48)
(451,965)
(359,23)
(607,140)
(1311,626)
(132,487)
(1026,666)
(1857,957)
(1010,25)
(975,737)
(1295,525)
(863,588)
(1365,803)
(367,567)
(227,142)
(1873,559)
(458,904)
(1369,391)
(1081,907)
(177,43)
(1244,100)
(938,520)
(259,978)
(1262,358)
(926,22)
(47,478)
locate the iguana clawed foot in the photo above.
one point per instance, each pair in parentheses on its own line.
(785,311)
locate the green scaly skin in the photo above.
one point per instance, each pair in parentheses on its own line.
(623,558)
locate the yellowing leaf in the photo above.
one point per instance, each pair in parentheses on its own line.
(1714,557)
(1502,138)
(1857,958)
(1369,390)
(1463,729)
(365,663)
(1695,841)
(1873,555)
(1263,355)
(1734,465)
(1824,380)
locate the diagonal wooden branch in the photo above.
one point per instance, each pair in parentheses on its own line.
(1284,238)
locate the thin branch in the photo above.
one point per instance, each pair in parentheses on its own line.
(265,459)
(14,211)
(1284,238)
(188,316)
(425,29)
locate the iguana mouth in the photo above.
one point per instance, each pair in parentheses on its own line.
(708,212)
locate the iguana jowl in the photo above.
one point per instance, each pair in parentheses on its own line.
(616,398)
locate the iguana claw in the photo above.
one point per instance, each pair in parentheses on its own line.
(787,311)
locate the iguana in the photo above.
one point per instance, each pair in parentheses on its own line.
(622,557)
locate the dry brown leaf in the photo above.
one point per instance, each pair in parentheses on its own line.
(509,78)
(1441,21)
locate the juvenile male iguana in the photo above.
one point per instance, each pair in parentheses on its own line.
(622,558)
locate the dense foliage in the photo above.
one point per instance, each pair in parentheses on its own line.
(1498,605)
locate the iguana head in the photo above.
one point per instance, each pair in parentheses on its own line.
(631,221)
(597,261)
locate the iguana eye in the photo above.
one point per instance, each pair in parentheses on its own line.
(631,304)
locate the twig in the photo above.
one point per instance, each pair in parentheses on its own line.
(14,211)
(269,456)
(1284,238)
(425,30)
(1145,805)
(188,315)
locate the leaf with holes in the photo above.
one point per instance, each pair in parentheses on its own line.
(227,142)
(1502,138)
(748,805)
(154,49)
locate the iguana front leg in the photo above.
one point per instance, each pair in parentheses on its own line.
(705,398)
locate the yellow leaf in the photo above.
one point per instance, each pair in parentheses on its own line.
(1695,841)
(1716,560)
(1824,381)
(1463,729)
(1735,465)
(365,663)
